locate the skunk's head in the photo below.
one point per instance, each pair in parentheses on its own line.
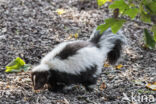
(39,76)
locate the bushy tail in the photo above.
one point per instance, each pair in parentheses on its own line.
(110,44)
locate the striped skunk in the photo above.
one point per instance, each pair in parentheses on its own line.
(78,62)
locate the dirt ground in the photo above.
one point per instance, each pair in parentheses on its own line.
(31,28)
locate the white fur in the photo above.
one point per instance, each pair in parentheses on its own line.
(34,80)
(56,50)
(41,67)
(85,58)
(107,39)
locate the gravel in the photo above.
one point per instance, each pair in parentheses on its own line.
(30,28)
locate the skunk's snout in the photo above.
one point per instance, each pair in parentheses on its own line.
(37,87)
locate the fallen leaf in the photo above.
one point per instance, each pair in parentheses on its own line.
(25,98)
(106,65)
(17,65)
(102,2)
(102,86)
(66,101)
(151,86)
(70,37)
(36,91)
(60,11)
(26,67)
(76,35)
(7,86)
(119,66)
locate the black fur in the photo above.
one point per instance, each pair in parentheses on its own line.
(58,80)
(96,38)
(114,54)
(62,78)
(71,49)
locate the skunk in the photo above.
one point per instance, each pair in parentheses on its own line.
(78,62)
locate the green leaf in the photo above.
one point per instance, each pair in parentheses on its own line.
(132,12)
(26,67)
(103,27)
(119,4)
(115,25)
(102,2)
(16,65)
(150,6)
(154,31)
(145,17)
(149,39)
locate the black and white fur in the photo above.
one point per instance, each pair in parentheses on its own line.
(78,62)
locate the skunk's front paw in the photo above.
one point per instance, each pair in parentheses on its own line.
(90,88)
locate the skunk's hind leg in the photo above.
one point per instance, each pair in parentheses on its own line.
(90,87)
(90,84)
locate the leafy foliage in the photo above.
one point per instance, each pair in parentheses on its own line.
(132,12)
(154,31)
(145,9)
(17,65)
(144,16)
(120,4)
(149,39)
(101,2)
(115,25)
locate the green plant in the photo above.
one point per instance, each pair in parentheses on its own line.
(17,65)
(144,9)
